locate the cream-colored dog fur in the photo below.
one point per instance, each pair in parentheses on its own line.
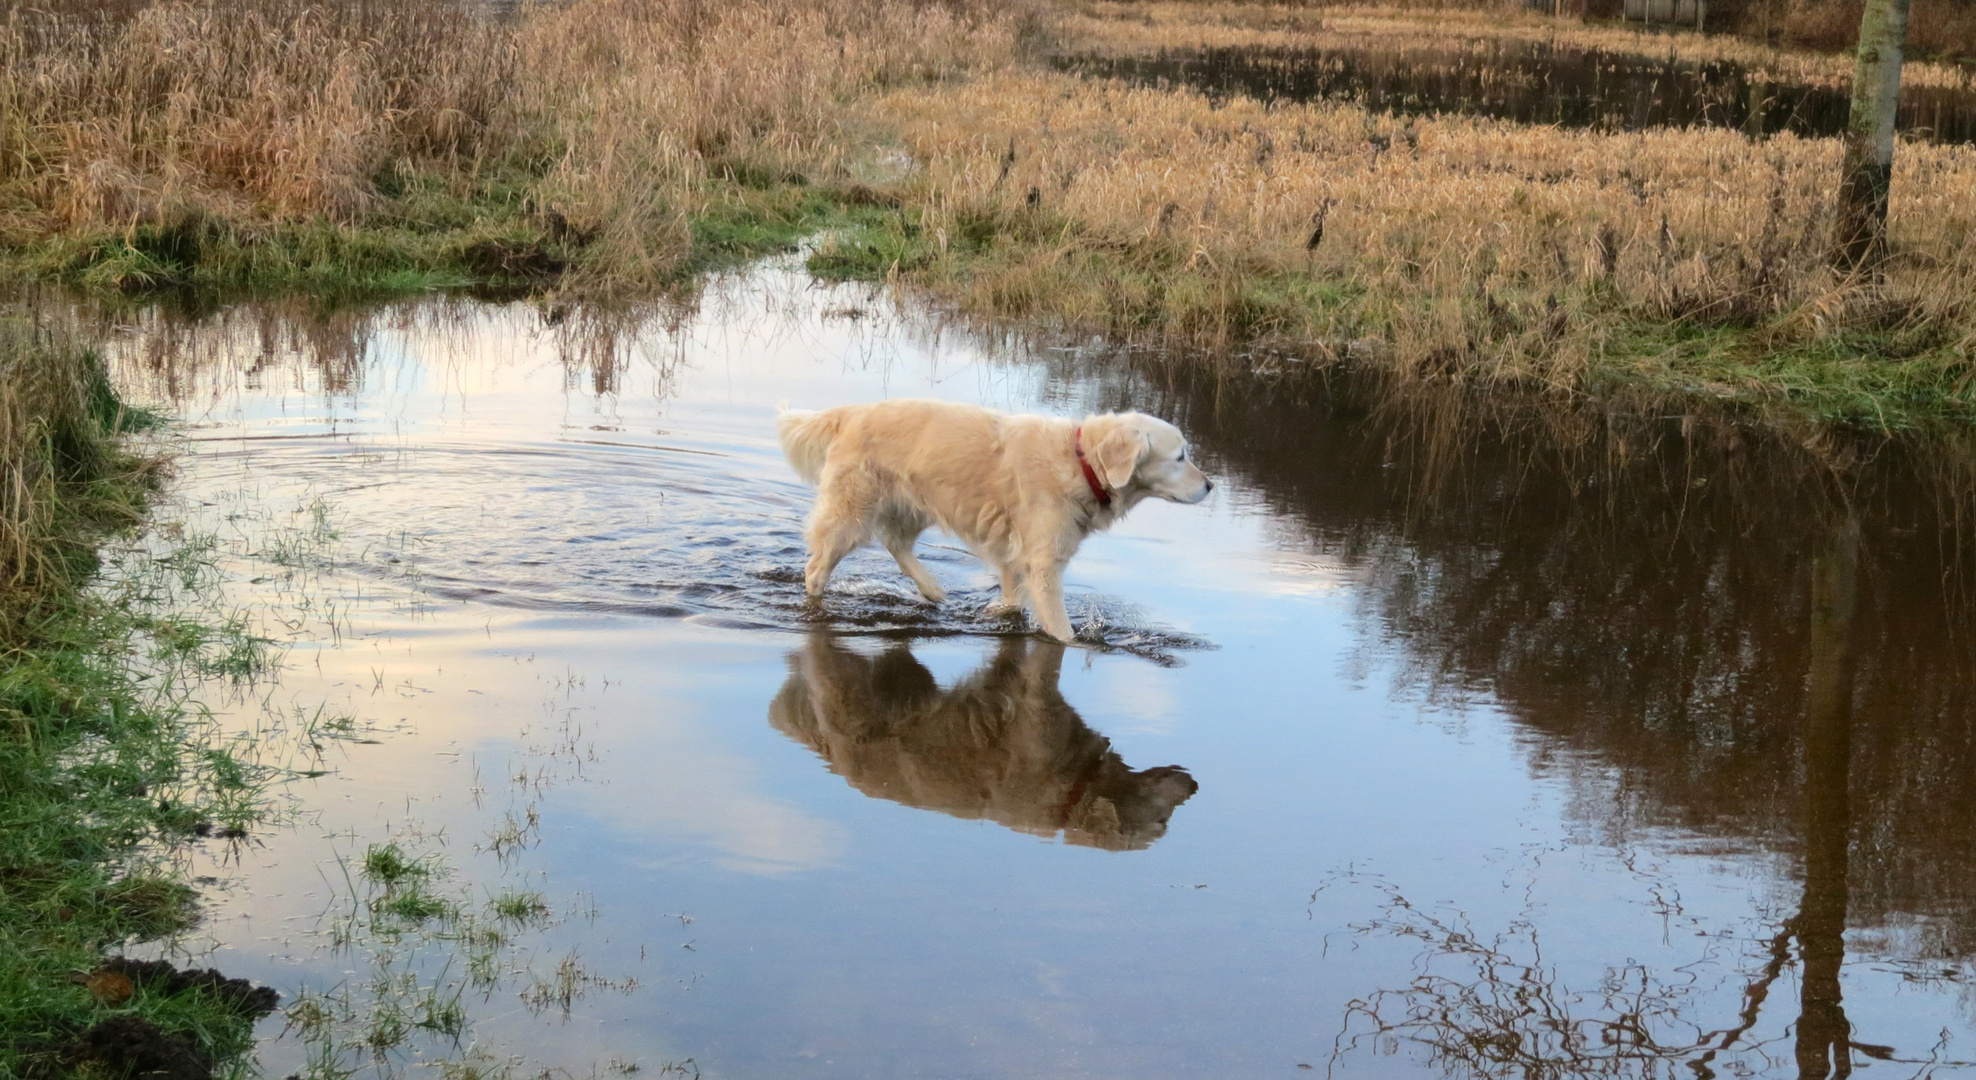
(1009,487)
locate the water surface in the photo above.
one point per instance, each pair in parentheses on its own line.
(1441,741)
(1533,83)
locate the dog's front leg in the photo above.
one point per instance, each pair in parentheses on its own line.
(902,553)
(1046,600)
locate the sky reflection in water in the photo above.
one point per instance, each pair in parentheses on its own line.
(1425,750)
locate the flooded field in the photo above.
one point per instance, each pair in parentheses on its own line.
(1440,741)
(1533,83)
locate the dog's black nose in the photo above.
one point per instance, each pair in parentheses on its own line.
(1210,484)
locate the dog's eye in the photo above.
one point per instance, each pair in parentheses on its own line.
(1183,454)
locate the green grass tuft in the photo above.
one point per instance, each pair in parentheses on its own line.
(520,907)
(388,865)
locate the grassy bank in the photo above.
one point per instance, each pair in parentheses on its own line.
(103,775)
(619,146)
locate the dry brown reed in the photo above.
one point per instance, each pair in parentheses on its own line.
(1934,27)
(649,98)
(610,113)
(1489,248)
(266,112)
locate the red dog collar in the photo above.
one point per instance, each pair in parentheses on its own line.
(1090,477)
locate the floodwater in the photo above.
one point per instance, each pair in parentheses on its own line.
(1533,83)
(1440,741)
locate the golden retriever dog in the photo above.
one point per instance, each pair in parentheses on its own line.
(1022,492)
(1002,744)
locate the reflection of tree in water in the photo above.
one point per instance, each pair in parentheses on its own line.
(1824,1038)
(1655,602)
(1490,1005)
(1485,1004)
(1634,590)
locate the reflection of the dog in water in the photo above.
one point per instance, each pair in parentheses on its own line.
(1000,744)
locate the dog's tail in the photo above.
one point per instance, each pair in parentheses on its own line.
(806,438)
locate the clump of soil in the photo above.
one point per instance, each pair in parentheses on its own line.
(138,1048)
(135,1047)
(159,977)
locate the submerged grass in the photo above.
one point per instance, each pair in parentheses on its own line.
(427,952)
(103,772)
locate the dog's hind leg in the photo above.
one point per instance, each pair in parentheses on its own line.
(840,522)
(899,536)
(827,548)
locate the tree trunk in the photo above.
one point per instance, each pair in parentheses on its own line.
(1869,164)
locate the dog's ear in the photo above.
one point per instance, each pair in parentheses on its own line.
(1118,453)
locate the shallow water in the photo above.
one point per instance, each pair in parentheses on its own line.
(1534,83)
(1425,747)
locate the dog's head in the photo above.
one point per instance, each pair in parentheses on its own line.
(1140,455)
(1125,810)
